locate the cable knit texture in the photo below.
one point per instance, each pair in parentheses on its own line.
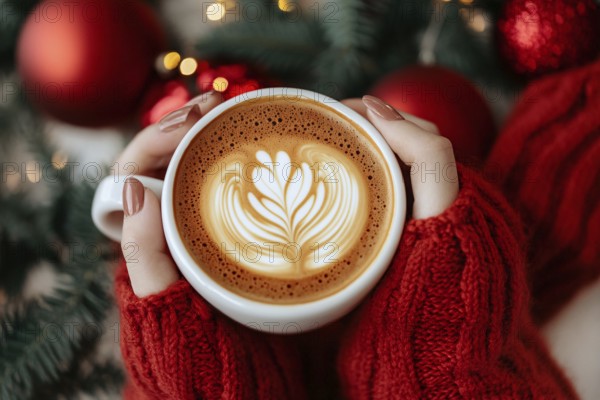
(176,347)
(450,319)
(547,163)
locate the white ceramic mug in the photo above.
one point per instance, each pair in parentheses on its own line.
(286,318)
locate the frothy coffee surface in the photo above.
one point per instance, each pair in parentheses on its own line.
(282,202)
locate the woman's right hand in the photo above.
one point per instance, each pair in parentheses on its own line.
(174,345)
(151,268)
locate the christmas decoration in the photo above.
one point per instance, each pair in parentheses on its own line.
(161,99)
(87,62)
(231,80)
(539,36)
(446,99)
(109,48)
(49,341)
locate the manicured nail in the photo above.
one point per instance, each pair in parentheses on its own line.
(133,196)
(382,109)
(176,119)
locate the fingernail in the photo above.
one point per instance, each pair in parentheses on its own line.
(176,119)
(133,196)
(382,109)
(201,98)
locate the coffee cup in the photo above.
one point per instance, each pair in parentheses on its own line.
(282,208)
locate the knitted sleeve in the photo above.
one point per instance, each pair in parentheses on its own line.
(175,346)
(450,318)
(546,162)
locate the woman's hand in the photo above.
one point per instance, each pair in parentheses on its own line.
(153,270)
(417,142)
(173,345)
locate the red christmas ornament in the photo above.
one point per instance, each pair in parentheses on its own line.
(87,62)
(446,99)
(231,80)
(161,99)
(539,36)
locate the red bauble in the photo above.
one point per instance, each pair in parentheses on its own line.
(87,62)
(446,99)
(161,99)
(539,36)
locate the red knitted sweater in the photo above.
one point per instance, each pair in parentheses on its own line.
(449,320)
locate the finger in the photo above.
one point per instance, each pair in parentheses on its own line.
(433,174)
(151,269)
(358,106)
(153,147)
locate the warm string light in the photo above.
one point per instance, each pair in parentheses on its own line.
(59,160)
(220,84)
(171,60)
(215,11)
(188,66)
(33,172)
(478,23)
(286,5)
(475,19)
(12,182)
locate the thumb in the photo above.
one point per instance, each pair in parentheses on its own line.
(150,267)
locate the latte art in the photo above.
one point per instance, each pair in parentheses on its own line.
(287,216)
(282,202)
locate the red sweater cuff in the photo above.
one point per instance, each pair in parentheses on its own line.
(179,296)
(449,319)
(475,193)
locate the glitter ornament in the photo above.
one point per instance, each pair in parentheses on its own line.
(539,36)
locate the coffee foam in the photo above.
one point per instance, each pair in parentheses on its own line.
(295,201)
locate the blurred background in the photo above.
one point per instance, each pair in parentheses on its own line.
(79,78)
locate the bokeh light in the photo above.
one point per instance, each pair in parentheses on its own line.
(59,159)
(171,60)
(188,66)
(286,5)
(215,11)
(220,84)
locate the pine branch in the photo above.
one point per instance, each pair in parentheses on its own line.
(84,377)
(38,343)
(460,48)
(398,21)
(341,69)
(346,24)
(279,46)
(28,356)
(12,15)
(27,234)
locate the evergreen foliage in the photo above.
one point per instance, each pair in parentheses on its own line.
(342,47)
(40,340)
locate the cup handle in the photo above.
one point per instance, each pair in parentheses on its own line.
(107,207)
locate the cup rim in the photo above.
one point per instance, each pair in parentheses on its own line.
(233,304)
